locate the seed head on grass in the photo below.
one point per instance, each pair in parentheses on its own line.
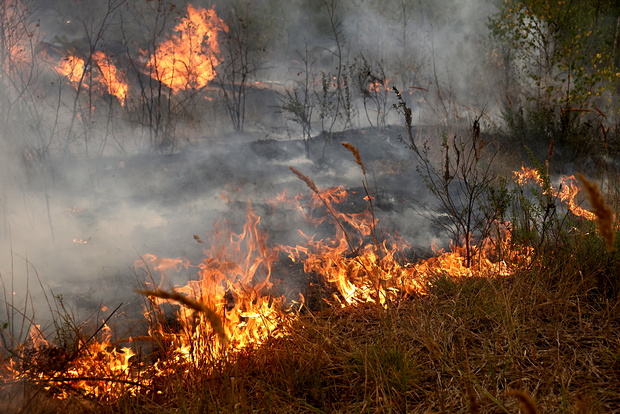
(356,153)
(214,319)
(305,179)
(604,214)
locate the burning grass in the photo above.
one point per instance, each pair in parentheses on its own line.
(516,328)
(469,346)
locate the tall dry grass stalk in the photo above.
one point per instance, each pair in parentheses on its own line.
(358,159)
(605,216)
(214,319)
(311,185)
(356,153)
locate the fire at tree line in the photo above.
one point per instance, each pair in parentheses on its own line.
(519,105)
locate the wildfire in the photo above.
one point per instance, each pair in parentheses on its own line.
(72,67)
(567,190)
(231,304)
(527,174)
(94,367)
(364,269)
(380,86)
(110,77)
(567,193)
(188,59)
(105,75)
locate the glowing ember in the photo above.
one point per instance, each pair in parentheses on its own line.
(187,60)
(380,86)
(81,242)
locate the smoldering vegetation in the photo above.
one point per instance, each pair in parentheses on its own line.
(96,175)
(137,134)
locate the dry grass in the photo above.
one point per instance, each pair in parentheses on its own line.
(309,182)
(507,339)
(471,346)
(356,154)
(544,340)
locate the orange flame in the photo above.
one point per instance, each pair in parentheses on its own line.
(233,282)
(110,77)
(107,78)
(566,193)
(72,67)
(527,174)
(187,60)
(364,269)
(230,305)
(97,367)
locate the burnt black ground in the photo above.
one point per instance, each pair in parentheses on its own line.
(129,206)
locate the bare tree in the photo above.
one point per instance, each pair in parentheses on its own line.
(372,85)
(298,101)
(242,59)
(153,108)
(95,26)
(335,95)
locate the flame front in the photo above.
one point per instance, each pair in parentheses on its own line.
(110,77)
(188,59)
(363,268)
(231,304)
(105,78)
(567,190)
(233,287)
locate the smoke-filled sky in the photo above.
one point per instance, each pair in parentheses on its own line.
(90,184)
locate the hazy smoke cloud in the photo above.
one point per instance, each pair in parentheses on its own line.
(82,199)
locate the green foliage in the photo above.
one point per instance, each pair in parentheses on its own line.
(577,138)
(66,328)
(566,50)
(561,68)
